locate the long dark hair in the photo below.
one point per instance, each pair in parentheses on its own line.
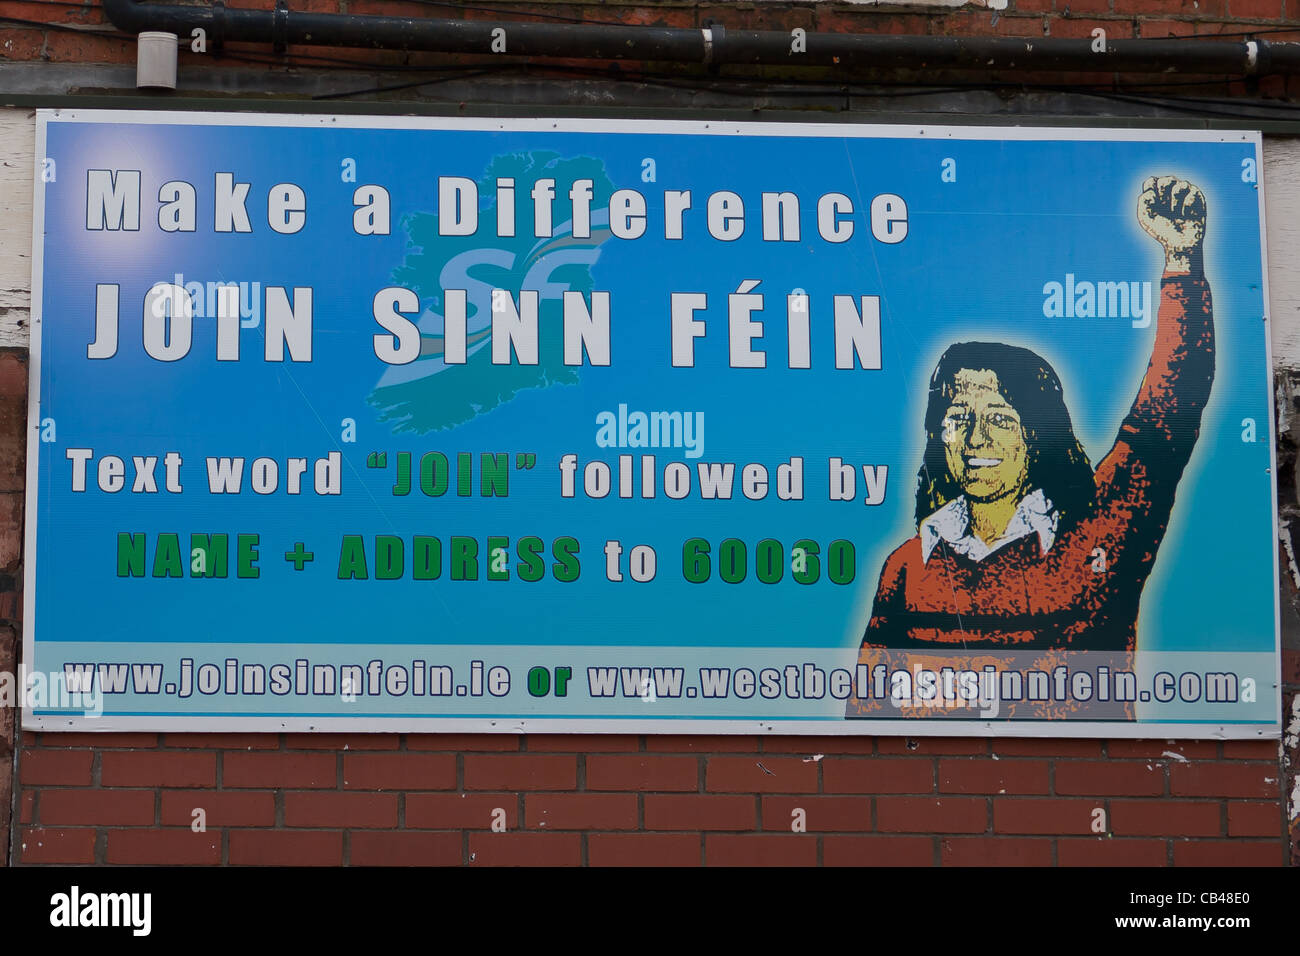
(1057,462)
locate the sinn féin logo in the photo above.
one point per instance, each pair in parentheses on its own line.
(429,394)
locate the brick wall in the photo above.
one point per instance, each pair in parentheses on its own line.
(433,799)
(334,799)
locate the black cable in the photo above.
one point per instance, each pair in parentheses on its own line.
(1114,92)
(1238,108)
(739,85)
(1178,105)
(112,34)
(714,83)
(56,3)
(326,63)
(399,86)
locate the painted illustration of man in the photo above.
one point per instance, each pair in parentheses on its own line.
(1021,545)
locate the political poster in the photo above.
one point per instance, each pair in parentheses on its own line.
(602,425)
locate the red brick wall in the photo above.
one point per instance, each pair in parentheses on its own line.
(368,799)
(334,799)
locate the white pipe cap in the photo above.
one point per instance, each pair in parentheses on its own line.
(155,61)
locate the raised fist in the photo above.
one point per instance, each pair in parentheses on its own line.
(1172,211)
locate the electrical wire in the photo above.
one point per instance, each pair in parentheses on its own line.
(1234,108)
(1181,106)
(741,86)
(401,86)
(56,3)
(92,30)
(738,85)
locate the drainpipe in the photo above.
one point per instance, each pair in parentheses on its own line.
(712,46)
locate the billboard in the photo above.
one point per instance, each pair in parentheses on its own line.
(392,424)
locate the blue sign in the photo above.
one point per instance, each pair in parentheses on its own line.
(396,424)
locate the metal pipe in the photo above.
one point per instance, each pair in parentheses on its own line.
(712,46)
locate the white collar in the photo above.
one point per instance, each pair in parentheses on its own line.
(951,523)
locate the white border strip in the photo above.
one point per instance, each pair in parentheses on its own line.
(692,127)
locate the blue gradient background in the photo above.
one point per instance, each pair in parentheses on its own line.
(1021,213)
